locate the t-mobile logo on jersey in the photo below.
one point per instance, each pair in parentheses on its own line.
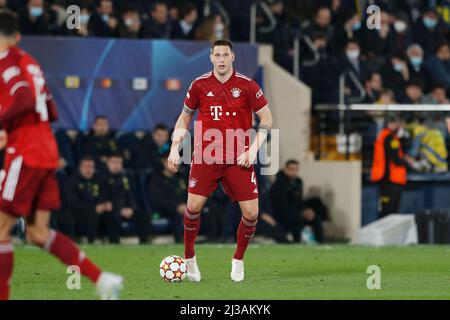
(216,112)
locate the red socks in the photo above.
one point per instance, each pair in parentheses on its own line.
(69,254)
(245,233)
(6,268)
(191,227)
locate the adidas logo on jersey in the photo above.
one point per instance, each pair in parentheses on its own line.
(210,94)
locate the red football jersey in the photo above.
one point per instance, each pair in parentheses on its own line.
(29,134)
(223,106)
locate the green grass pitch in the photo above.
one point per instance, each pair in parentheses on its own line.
(272,272)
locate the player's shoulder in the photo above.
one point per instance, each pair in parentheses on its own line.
(243,77)
(203,77)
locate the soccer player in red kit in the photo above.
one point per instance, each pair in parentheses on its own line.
(28,186)
(226,101)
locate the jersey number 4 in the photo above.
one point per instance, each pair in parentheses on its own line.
(41,97)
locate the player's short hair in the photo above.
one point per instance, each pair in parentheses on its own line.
(222,42)
(9,24)
(291,161)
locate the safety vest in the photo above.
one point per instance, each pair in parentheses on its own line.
(397,174)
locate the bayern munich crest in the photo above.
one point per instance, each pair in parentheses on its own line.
(236,92)
(192,182)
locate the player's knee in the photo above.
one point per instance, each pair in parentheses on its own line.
(37,236)
(250,215)
(194,206)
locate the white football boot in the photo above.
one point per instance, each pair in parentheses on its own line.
(109,286)
(237,270)
(193,272)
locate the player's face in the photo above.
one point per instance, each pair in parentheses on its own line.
(222,59)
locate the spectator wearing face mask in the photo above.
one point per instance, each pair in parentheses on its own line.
(395,73)
(399,35)
(426,32)
(33,19)
(129,24)
(351,28)
(102,22)
(416,64)
(82,31)
(439,65)
(353,64)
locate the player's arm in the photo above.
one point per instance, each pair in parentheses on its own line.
(260,106)
(265,116)
(22,102)
(177,137)
(51,106)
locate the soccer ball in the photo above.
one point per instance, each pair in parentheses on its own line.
(173,269)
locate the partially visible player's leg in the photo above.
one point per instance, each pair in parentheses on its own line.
(191,220)
(59,245)
(6,254)
(247,226)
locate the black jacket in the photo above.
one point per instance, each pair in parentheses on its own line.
(117,188)
(286,196)
(82,195)
(167,193)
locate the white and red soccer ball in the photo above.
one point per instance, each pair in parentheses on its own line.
(173,269)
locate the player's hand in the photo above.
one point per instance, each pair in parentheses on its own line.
(246,159)
(173,161)
(3,139)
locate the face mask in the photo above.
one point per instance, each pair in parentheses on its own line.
(353,54)
(356,26)
(128,22)
(105,18)
(218,30)
(416,61)
(84,18)
(400,26)
(36,12)
(430,23)
(398,67)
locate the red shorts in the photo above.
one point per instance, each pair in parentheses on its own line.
(239,183)
(24,190)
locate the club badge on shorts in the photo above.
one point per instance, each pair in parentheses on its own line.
(192,183)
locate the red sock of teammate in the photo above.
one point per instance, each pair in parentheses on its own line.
(69,254)
(245,233)
(191,227)
(6,268)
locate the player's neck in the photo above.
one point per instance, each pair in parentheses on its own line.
(4,48)
(225,77)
